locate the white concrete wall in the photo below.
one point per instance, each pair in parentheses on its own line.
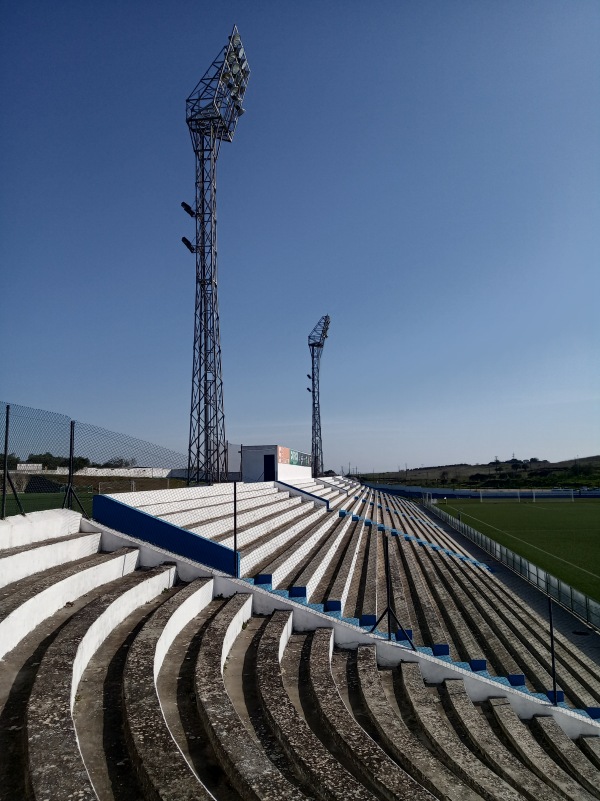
(37,526)
(292,472)
(122,472)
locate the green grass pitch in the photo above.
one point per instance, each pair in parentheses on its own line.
(561,537)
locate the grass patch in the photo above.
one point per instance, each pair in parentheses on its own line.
(40,501)
(558,536)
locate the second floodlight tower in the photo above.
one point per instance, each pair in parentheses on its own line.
(212,113)
(316,343)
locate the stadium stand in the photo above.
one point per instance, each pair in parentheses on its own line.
(131,670)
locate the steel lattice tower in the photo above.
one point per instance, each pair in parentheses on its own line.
(212,112)
(316,343)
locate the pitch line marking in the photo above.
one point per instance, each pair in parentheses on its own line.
(518,539)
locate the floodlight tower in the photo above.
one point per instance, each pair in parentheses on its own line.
(212,112)
(316,343)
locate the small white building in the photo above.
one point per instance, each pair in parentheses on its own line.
(274,463)
(29,467)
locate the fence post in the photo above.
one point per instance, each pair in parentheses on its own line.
(5,465)
(70,492)
(68,499)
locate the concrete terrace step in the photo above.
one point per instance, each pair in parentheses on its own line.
(26,560)
(25,604)
(330,572)
(213,516)
(428,615)
(532,754)
(245,493)
(249,536)
(304,583)
(174,665)
(322,773)
(277,570)
(565,752)
(283,536)
(445,742)
(224,525)
(533,652)
(250,771)
(398,740)
(370,762)
(159,764)
(337,599)
(479,735)
(491,648)
(55,763)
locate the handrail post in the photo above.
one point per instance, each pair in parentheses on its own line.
(552,653)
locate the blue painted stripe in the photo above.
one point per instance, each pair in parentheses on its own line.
(154,531)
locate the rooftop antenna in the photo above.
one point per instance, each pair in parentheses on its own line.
(316,343)
(212,113)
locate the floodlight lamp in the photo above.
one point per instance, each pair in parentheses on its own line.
(188,244)
(235,68)
(231,59)
(188,209)
(308,389)
(309,377)
(240,53)
(236,40)
(239,109)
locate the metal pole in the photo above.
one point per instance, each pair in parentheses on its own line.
(552,650)
(386,556)
(5,466)
(235,553)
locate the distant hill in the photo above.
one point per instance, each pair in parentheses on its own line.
(535,472)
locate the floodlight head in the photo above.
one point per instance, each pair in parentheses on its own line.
(188,244)
(188,209)
(317,337)
(308,389)
(212,109)
(309,377)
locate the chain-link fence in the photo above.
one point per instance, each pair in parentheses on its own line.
(49,461)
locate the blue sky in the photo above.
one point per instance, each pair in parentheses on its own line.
(426,173)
